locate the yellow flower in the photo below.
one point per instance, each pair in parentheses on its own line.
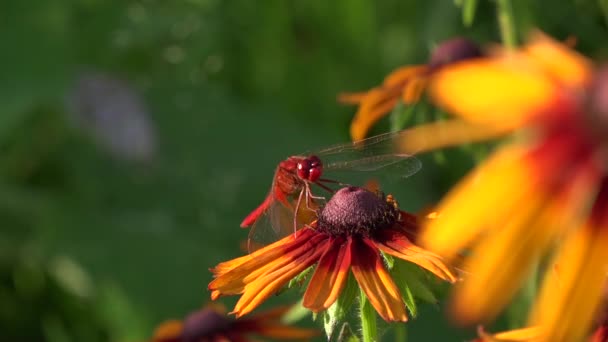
(352,231)
(404,84)
(548,188)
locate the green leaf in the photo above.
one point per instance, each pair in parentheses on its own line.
(414,278)
(339,310)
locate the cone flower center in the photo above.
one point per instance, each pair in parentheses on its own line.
(356,211)
(204,323)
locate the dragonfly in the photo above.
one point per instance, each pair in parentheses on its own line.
(290,203)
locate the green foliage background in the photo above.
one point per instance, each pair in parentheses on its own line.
(96,247)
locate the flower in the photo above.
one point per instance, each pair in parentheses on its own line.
(406,84)
(548,188)
(210,324)
(352,231)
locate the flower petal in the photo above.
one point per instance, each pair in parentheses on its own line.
(498,91)
(266,284)
(524,334)
(395,243)
(375,281)
(516,245)
(330,276)
(169,331)
(502,178)
(234,275)
(560,62)
(377,103)
(431,136)
(576,288)
(405,74)
(499,264)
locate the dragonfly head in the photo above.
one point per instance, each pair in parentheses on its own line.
(310,168)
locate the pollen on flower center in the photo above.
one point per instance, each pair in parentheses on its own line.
(356,211)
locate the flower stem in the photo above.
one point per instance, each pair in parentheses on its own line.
(368,319)
(506,22)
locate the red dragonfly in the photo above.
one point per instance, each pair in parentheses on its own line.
(291,198)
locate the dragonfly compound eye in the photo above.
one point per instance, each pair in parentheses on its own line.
(316,168)
(303,169)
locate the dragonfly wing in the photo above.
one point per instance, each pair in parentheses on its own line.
(403,164)
(278,222)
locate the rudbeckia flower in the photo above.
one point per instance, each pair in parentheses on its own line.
(212,325)
(352,232)
(547,188)
(405,84)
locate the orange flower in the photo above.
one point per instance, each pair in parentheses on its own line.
(352,231)
(404,84)
(547,188)
(212,325)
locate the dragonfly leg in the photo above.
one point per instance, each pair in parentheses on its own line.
(295,213)
(310,196)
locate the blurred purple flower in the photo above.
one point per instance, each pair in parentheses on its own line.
(114,114)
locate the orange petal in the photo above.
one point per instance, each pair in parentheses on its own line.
(500,263)
(559,61)
(395,243)
(413,90)
(233,281)
(168,330)
(569,299)
(264,286)
(486,196)
(329,278)
(351,98)
(377,104)
(524,334)
(375,281)
(498,91)
(404,75)
(446,133)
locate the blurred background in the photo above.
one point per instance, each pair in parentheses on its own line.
(136,135)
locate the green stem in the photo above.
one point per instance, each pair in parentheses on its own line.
(368,319)
(506,22)
(400,332)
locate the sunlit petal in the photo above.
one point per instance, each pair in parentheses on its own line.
(330,276)
(494,91)
(502,178)
(528,334)
(446,133)
(269,283)
(376,282)
(560,62)
(576,287)
(396,244)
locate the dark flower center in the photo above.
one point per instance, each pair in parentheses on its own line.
(356,211)
(453,50)
(204,323)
